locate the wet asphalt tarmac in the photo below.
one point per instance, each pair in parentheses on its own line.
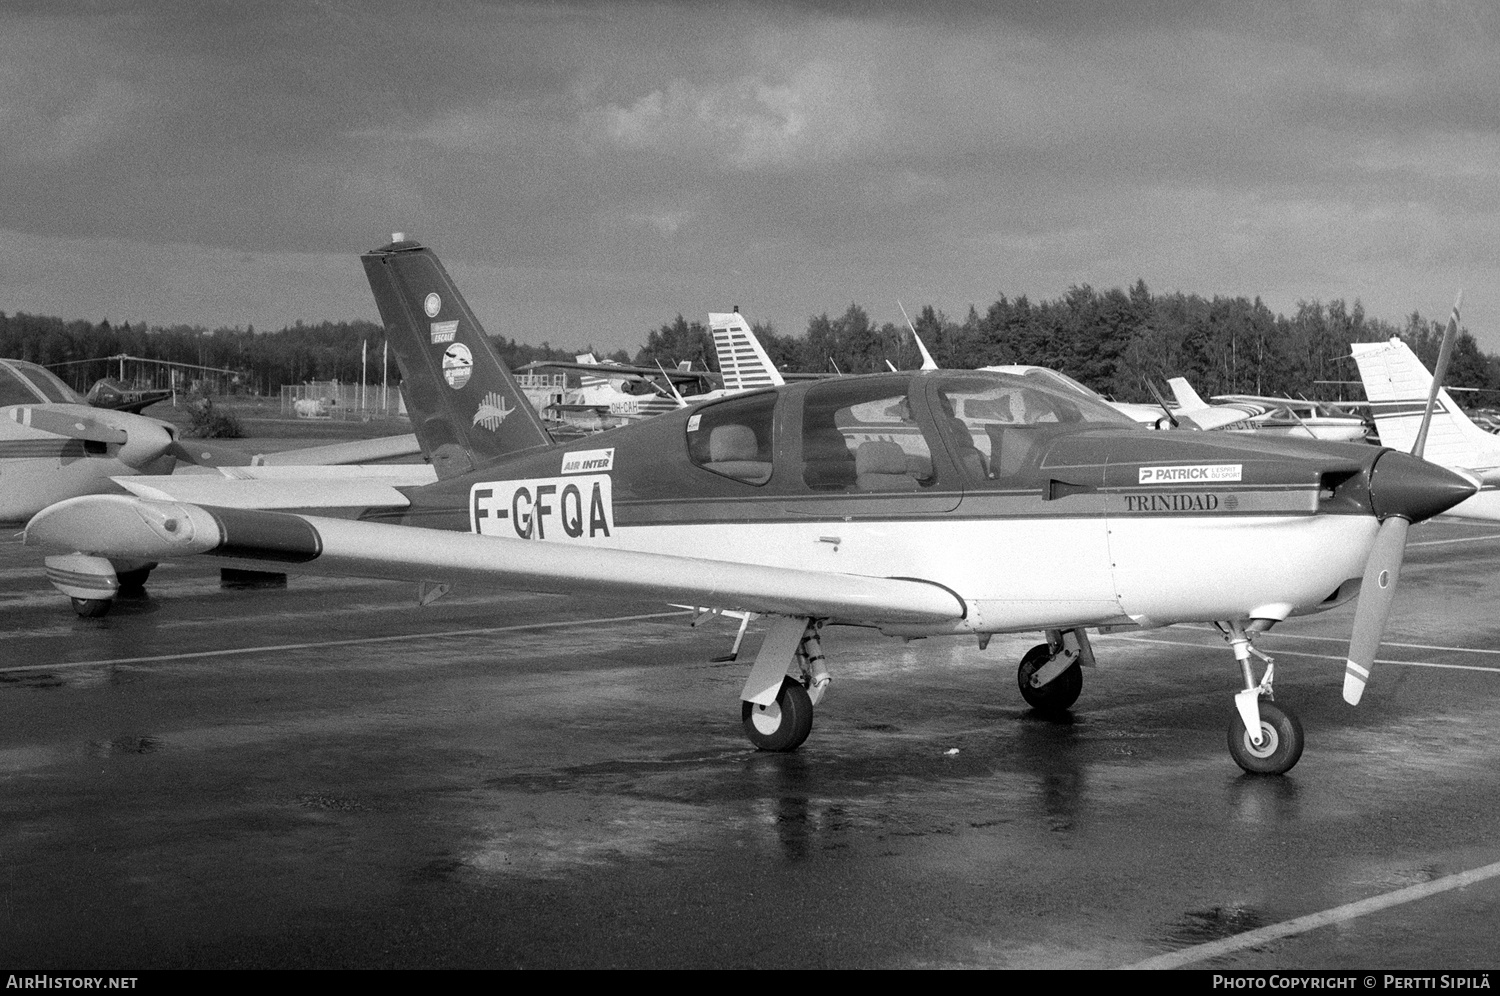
(330,775)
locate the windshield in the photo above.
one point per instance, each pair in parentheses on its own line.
(1036,397)
(46,382)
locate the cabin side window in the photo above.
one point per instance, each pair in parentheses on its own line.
(861,436)
(733,438)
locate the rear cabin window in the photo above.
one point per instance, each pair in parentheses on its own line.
(860,436)
(733,438)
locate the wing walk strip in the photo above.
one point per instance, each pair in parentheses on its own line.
(1302,924)
(241,651)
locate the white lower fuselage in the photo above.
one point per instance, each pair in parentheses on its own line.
(1027,574)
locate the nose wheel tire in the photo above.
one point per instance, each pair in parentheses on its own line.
(784,724)
(1280,746)
(1057,694)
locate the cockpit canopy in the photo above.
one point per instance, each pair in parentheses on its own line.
(897,432)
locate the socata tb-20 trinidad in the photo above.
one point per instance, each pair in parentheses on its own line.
(926,503)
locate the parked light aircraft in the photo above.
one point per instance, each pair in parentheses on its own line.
(998,504)
(1398,386)
(1258,413)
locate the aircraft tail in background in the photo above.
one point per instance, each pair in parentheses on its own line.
(742,359)
(465,406)
(1192,407)
(1397,386)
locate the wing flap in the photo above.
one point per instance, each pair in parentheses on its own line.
(117,525)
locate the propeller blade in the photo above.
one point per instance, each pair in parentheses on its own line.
(67,423)
(1375,595)
(1172,419)
(1439,372)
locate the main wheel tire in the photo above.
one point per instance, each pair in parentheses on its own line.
(91,608)
(1057,694)
(784,724)
(133,583)
(1281,741)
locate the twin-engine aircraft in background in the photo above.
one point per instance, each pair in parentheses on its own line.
(924,503)
(53,445)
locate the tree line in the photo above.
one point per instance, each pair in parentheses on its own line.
(1119,342)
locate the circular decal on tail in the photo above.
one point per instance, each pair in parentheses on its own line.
(432,304)
(458,364)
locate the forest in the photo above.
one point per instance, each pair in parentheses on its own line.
(1116,341)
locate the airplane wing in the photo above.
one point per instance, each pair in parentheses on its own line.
(623,370)
(123,526)
(1271,402)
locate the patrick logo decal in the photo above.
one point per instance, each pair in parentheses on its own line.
(492,412)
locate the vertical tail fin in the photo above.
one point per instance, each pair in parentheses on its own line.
(742,359)
(1397,386)
(465,406)
(1185,395)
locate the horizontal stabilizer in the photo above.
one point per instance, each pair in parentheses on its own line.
(354,451)
(354,487)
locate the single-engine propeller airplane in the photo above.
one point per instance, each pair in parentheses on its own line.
(921,503)
(1260,413)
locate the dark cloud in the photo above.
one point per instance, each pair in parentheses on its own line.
(646,157)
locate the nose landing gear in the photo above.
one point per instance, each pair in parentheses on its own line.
(1264,738)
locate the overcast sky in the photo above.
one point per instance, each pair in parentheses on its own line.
(588,171)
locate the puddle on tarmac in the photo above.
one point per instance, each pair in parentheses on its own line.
(1216,923)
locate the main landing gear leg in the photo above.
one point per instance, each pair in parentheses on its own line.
(1264,738)
(788,678)
(1050,676)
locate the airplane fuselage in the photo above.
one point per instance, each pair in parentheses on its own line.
(1096,524)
